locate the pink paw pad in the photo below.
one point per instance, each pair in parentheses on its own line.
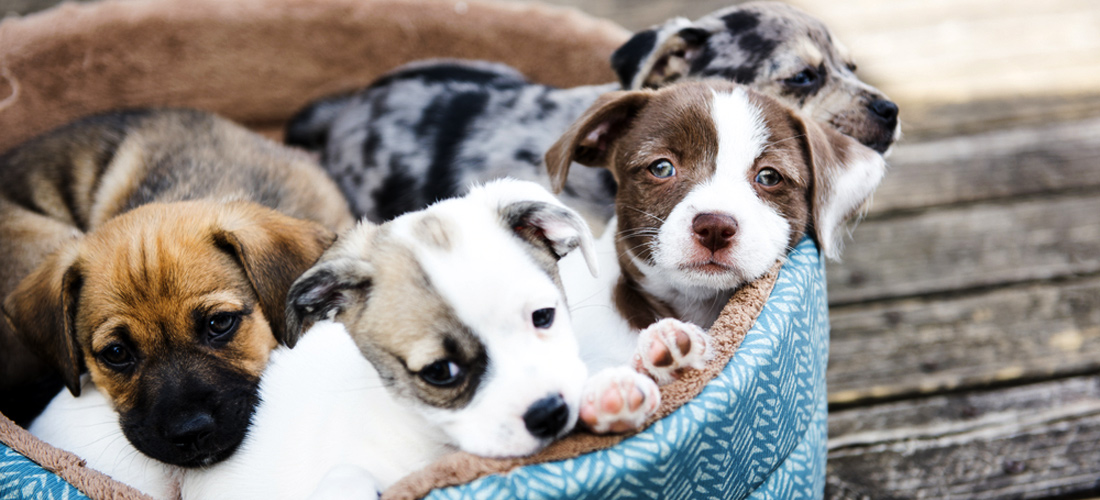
(669,347)
(618,400)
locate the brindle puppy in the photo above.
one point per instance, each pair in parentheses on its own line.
(154,250)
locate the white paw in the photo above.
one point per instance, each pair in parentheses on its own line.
(618,399)
(345,481)
(670,346)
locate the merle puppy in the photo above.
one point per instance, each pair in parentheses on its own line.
(430,129)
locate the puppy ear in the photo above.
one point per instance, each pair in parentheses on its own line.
(338,279)
(589,140)
(42,311)
(845,174)
(274,250)
(552,227)
(660,55)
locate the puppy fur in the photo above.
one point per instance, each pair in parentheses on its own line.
(459,310)
(430,129)
(143,253)
(716,182)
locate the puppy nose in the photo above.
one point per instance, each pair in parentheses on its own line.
(191,430)
(714,231)
(547,416)
(886,111)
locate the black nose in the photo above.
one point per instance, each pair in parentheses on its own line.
(714,231)
(191,431)
(547,417)
(886,111)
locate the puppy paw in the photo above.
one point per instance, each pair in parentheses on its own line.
(618,400)
(669,347)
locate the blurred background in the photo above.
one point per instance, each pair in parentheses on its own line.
(965,355)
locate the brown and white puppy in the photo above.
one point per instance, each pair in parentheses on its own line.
(716,182)
(154,250)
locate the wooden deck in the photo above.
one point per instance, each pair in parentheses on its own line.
(965,355)
(965,358)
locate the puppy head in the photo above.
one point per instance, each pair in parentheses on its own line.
(716,181)
(460,310)
(776,49)
(172,309)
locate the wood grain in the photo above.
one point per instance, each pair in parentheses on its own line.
(922,346)
(1034,441)
(1002,164)
(971,247)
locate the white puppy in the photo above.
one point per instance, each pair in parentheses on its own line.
(461,314)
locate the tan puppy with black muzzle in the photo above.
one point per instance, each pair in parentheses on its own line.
(154,250)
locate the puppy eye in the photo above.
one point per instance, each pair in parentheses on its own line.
(803,78)
(442,373)
(117,356)
(543,318)
(221,325)
(852,67)
(662,169)
(768,177)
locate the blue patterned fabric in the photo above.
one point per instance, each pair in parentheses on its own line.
(21,478)
(756,431)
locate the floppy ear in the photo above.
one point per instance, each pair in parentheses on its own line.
(274,250)
(588,141)
(845,174)
(552,227)
(660,55)
(338,279)
(42,311)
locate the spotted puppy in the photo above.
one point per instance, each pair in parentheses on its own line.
(716,183)
(428,130)
(153,250)
(460,339)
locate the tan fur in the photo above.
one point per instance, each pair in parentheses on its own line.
(102,204)
(399,340)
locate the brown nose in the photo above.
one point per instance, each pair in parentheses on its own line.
(714,231)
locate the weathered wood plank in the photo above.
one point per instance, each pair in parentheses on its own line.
(992,165)
(922,120)
(1033,441)
(982,245)
(922,346)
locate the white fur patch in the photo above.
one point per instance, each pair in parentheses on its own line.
(854,184)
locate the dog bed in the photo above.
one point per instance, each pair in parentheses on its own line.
(750,425)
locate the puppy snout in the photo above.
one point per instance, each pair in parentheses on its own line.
(885,111)
(714,231)
(547,417)
(191,431)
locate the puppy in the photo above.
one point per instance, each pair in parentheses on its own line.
(154,250)
(716,182)
(460,338)
(427,130)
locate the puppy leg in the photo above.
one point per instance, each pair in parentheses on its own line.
(618,399)
(345,481)
(670,346)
